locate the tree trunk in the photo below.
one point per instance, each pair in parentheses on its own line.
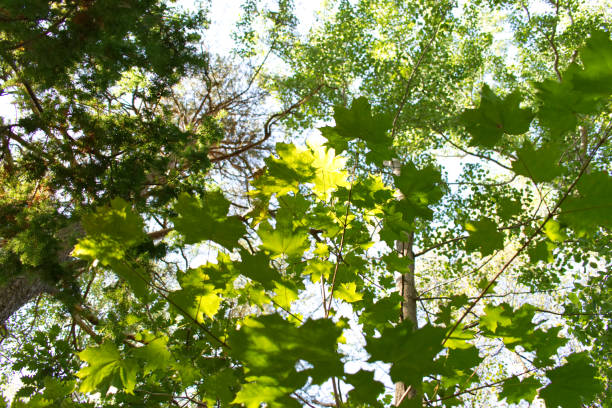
(407,289)
(22,289)
(19,291)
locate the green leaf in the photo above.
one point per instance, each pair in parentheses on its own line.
(483,236)
(286,292)
(496,315)
(366,390)
(56,389)
(348,292)
(380,315)
(553,231)
(516,327)
(358,122)
(257,267)
(329,170)
(127,373)
(221,274)
(583,89)
(539,165)
(220,387)
(494,117)
(135,276)
(206,304)
(367,193)
(271,347)
(542,251)
(110,231)
(572,385)
(316,269)
(265,390)
(394,225)
(155,354)
(507,207)
(515,391)
(198,296)
(596,57)
(283,241)
(205,219)
(410,352)
(456,367)
(484,282)
(285,173)
(561,101)
(588,208)
(104,364)
(446,311)
(421,189)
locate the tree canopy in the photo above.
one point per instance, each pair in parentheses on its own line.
(442,240)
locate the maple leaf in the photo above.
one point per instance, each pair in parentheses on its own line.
(516,391)
(494,117)
(573,384)
(366,389)
(282,241)
(538,164)
(105,363)
(111,230)
(398,345)
(496,315)
(348,292)
(329,170)
(155,354)
(483,236)
(205,218)
(358,122)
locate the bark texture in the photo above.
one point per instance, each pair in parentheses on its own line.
(19,291)
(407,289)
(22,289)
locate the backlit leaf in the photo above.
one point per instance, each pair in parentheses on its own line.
(348,292)
(358,122)
(206,219)
(538,164)
(366,389)
(572,385)
(494,117)
(483,236)
(516,391)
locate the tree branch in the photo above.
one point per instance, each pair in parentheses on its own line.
(531,237)
(267,128)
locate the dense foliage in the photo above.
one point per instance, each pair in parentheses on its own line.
(352,261)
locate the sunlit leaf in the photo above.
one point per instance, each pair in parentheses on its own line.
(105,362)
(330,170)
(348,292)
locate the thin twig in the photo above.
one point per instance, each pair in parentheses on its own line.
(530,238)
(267,127)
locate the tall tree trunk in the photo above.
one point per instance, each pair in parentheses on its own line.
(407,289)
(19,291)
(22,289)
